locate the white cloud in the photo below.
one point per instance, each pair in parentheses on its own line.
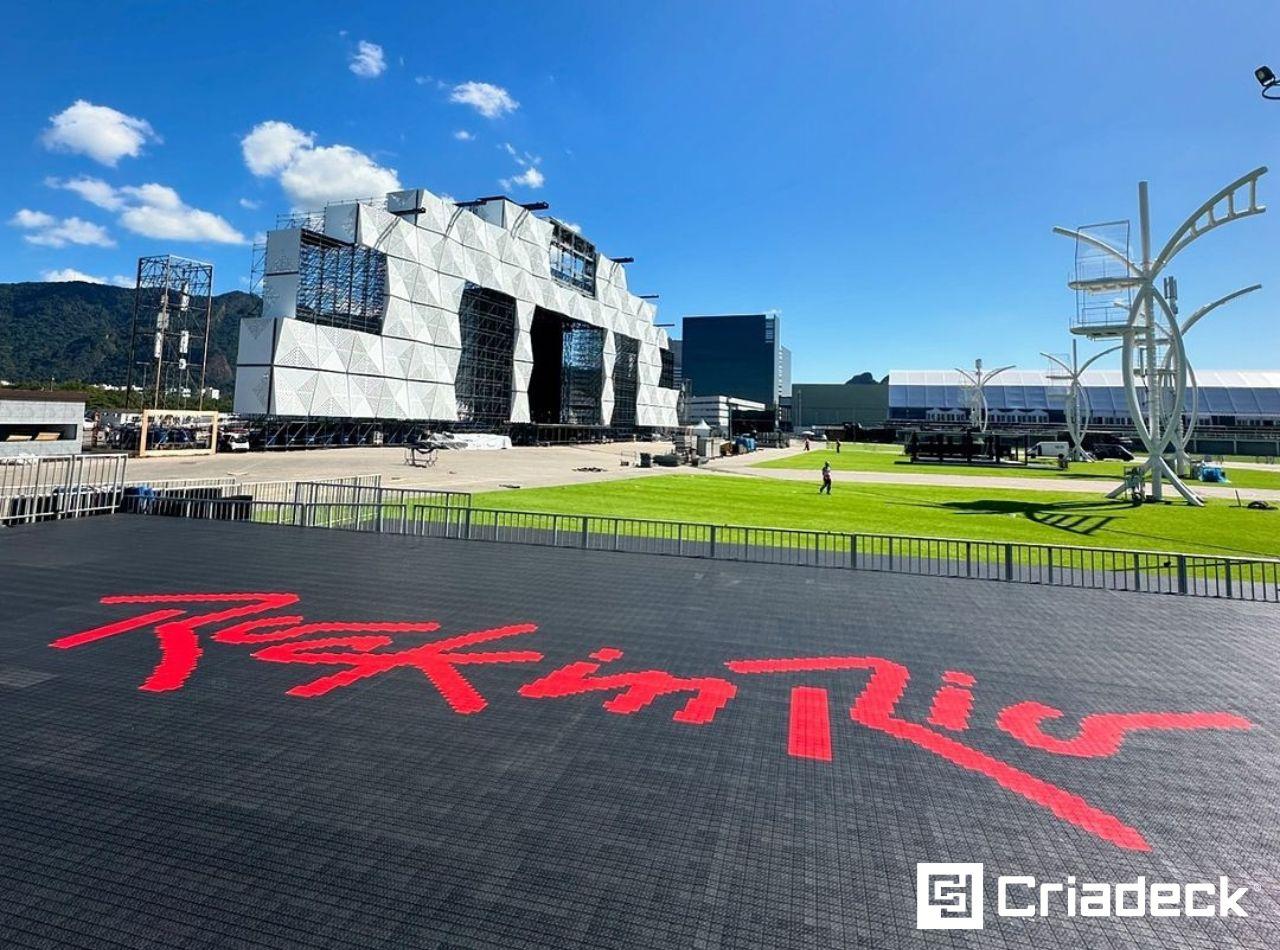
(314,176)
(249,204)
(271,146)
(47,231)
(93,190)
(65,274)
(157,211)
(153,210)
(104,134)
(489,100)
(529,178)
(462,135)
(27,218)
(368,61)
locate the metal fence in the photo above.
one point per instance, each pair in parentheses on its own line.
(1011,561)
(266,490)
(405,513)
(60,486)
(333,492)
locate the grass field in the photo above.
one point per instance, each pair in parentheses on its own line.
(866,457)
(979,514)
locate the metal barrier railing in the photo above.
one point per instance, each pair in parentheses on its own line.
(331,492)
(1202,575)
(1193,575)
(60,486)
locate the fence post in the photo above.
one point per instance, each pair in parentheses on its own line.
(817,549)
(891,552)
(585,521)
(467,522)
(1137,571)
(1049,554)
(615,534)
(1008,561)
(555,530)
(853,552)
(713,540)
(1182,574)
(1229,589)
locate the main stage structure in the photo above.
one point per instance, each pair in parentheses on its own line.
(475,315)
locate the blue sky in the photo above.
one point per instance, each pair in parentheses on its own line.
(884,174)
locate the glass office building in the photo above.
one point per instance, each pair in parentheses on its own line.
(736,355)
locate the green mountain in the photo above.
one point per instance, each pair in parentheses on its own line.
(79,331)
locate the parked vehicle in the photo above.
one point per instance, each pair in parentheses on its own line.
(233,442)
(1111,450)
(1050,450)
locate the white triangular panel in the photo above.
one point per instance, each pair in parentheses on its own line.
(283,251)
(398,319)
(397,356)
(293,391)
(296,344)
(417,392)
(449,364)
(279,295)
(521,372)
(253,390)
(257,341)
(395,400)
(340,222)
(330,398)
(519,406)
(335,352)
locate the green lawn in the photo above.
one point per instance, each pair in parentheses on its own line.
(867,457)
(979,514)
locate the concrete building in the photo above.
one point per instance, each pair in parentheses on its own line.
(474,314)
(737,355)
(40,423)
(834,404)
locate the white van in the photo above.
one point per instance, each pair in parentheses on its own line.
(1050,450)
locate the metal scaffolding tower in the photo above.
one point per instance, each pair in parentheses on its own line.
(172,313)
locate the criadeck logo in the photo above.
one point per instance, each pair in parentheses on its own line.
(949,897)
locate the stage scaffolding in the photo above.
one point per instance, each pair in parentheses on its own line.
(573,259)
(581,373)
(340,284)
(626,373)
(169,336)
(486,321)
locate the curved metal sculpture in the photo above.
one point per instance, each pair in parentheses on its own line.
(1151,337)
(979,412)
(1078,410)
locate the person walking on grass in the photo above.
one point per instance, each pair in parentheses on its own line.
(826,478)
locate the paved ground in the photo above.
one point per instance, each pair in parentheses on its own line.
(268,789)
(745,465)
(528,467)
